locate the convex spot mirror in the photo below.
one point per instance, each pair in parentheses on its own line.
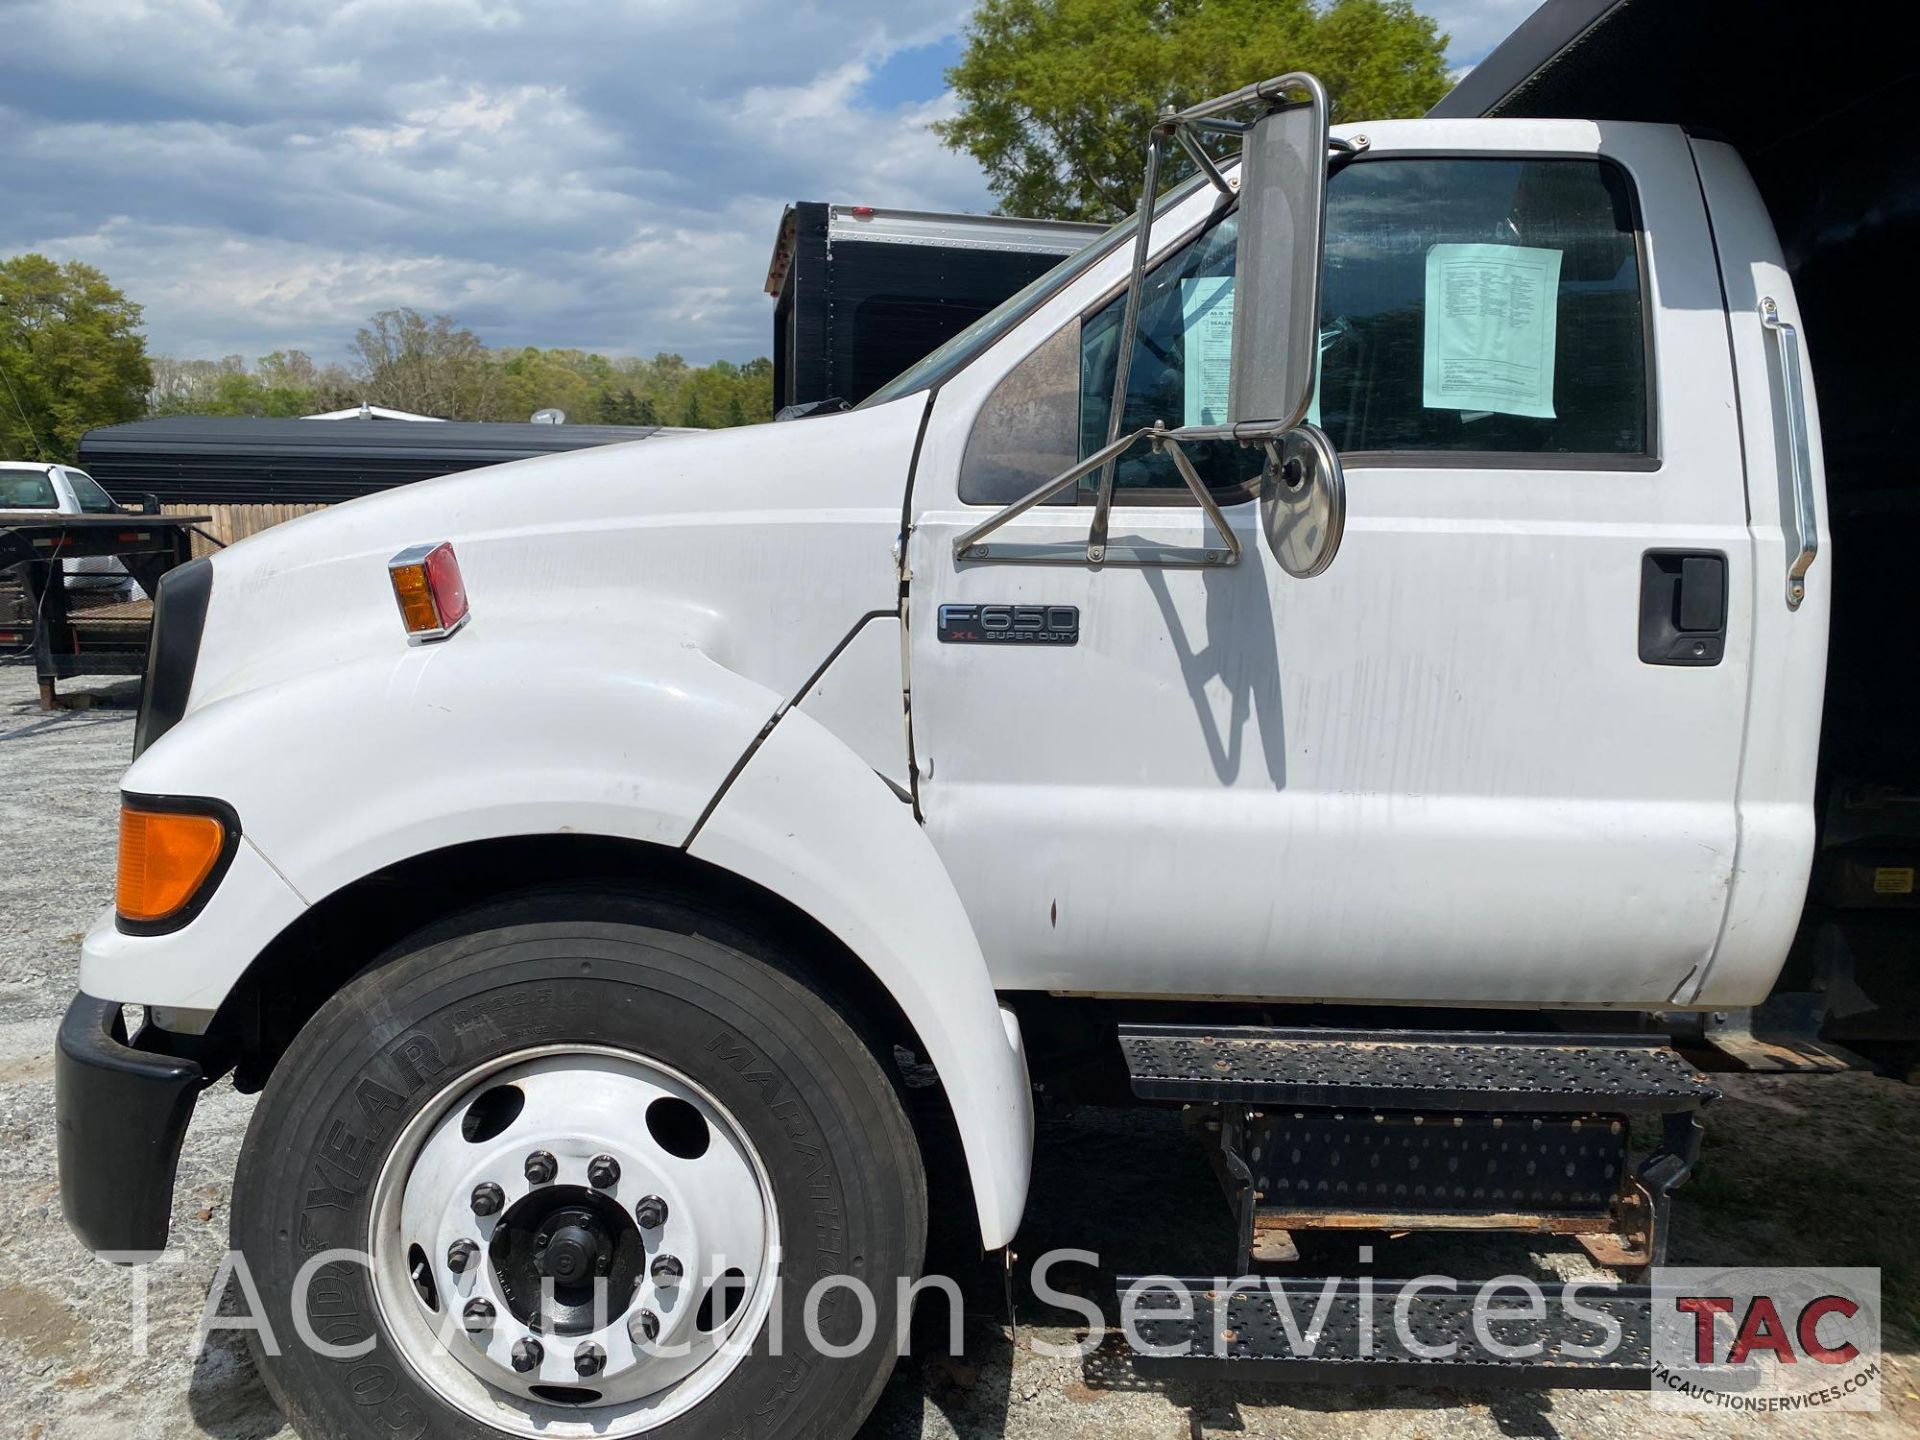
(1303,502)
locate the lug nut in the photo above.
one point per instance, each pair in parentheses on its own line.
(526,1355)
(478,1314)
(603,1172)
(589,1360)
(488,1198)
(651,1212)
(643,1327)
(541,1167)
(460,1255)
(666,1270)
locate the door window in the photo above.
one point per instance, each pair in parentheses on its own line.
(1469,306)
(92,499)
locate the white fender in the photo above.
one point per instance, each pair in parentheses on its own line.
(809,821)
(342,771)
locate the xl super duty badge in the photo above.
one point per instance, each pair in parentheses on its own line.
(1010,624)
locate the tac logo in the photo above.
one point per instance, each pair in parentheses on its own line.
(1760,1341)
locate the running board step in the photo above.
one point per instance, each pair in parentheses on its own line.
(1502,1071)
(1374,1334)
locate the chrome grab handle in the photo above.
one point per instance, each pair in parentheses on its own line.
(1805,524)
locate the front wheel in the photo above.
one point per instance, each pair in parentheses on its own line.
(582,1164)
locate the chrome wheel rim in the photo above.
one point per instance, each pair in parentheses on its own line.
(573,1240)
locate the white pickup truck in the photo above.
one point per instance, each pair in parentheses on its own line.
(31,486)
(577,851)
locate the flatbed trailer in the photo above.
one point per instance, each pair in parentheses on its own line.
(66,636)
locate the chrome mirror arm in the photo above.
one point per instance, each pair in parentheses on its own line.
(1129,329)
(968,546)
(1165,440)
(971,546)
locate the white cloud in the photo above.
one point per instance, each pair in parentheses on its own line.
(1475,26)
(262,173)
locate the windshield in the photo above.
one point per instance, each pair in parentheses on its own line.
(93,500)
(960,351)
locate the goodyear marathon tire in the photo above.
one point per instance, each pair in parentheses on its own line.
(562,1100)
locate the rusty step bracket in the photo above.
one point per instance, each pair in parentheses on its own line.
(1430,1130)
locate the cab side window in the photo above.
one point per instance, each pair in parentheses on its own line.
(1483,305)
(1491,307)
(26,490)
(1177,373)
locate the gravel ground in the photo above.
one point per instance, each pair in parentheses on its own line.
(1800,1170)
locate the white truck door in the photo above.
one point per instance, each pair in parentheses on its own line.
(1490,755)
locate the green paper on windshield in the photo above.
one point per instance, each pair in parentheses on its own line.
(1490,329)
(1206,323)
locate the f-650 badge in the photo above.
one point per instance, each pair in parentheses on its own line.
(1010,624)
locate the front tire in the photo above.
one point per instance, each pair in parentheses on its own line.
(663,1053)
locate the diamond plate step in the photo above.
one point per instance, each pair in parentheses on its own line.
(1234,1331)
(1490,1072)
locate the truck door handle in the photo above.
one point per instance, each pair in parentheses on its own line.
(1683,607)
(1806,531)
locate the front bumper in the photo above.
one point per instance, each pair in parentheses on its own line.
(121,1112)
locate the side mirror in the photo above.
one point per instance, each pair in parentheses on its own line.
(1272,363)
(1276,301)
(1276,331)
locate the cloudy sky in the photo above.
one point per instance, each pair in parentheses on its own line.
(264,174)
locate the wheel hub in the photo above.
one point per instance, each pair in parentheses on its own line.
(551,1248)
(630,1204)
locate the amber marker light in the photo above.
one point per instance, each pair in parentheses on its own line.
(429,590)
(167,859)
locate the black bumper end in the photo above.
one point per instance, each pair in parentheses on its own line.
(121,1114)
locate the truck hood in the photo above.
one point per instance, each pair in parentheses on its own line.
(759,546)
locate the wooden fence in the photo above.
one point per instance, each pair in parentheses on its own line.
(235,522)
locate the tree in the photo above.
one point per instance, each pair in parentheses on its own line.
(284,384)
(426,364)
(434,366)
(71,357)
(1056,95)
(532,379)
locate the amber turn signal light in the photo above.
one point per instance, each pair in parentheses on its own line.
(431,594)
(166,859)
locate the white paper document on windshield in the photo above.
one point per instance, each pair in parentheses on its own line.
(1206,325)
(1490,329)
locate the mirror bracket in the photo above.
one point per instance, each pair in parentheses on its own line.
(1097,551)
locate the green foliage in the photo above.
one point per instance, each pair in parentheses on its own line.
(282,385)
(432,366)
(71,357)
(1056,95)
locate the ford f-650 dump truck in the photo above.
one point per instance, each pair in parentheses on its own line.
(1344,649)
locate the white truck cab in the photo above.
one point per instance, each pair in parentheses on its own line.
(574,936)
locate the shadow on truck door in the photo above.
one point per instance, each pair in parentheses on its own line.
(1240,649)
